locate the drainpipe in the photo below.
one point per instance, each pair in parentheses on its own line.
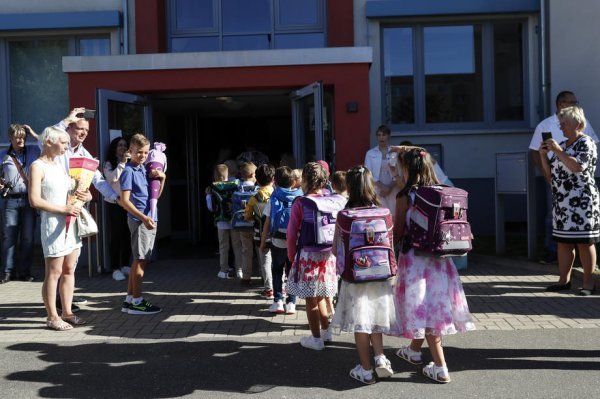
(545,92)
(126,26)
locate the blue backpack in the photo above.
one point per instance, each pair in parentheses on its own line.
(240,199)
(281,206)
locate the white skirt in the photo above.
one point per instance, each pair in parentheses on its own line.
(366,308)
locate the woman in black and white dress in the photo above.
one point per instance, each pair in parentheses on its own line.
(575,199)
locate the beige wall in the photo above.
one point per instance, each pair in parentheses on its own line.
(574,57)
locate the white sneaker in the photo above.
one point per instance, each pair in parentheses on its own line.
(383,367)
(126,270)
(326,335)
(239,274)
(276,307)
(311,342)
(223,275)
(118,275)
(290,308)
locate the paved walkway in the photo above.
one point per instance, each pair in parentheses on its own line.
(502,295)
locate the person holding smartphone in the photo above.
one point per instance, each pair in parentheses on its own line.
(552,125)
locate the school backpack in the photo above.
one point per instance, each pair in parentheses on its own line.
(365,250)
(318,223)
(281,207)
(221,197)
(240,199)
(258,209)
(438,221)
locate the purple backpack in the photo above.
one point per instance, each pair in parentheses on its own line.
(318,222)
(438,221)
(365,250)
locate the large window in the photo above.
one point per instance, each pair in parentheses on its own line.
(37,87)
(214,25)
(449,76)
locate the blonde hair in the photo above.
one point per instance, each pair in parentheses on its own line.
(139,140)
(297,177)
(247,170)
(573,114)
(52,135)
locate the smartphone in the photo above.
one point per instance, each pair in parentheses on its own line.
(546,136)
(87,114)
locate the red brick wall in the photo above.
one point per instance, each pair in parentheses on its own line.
(150,26)
(340,23)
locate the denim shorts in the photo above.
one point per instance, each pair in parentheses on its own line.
(142,239)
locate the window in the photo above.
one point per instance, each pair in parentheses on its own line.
(449,76)
(37,91)
(214,25)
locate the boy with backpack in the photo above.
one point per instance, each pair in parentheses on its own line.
(277,214)
(255,213)
(218,201)
(242,230)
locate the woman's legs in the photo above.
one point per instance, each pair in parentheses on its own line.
(587,255)
(67,282)
(53,268)
(566,256)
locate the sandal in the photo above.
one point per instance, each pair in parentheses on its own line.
(439,374)
(58,325)
(411,356)
(383,367)
(74,320)
(362,375)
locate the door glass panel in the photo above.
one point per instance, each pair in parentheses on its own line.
(453,74)
(398,72)
(243,16)
(306,129)
(126,117)
(508,71)
(38,86)
(328,148)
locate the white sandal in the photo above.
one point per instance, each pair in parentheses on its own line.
(383,367)
(439,374)
(411,356)
(362,375)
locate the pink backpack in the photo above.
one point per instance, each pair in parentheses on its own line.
(365,249)
(438,221)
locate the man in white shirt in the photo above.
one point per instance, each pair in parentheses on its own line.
(551,124)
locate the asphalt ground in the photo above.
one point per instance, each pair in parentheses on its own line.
(216,340)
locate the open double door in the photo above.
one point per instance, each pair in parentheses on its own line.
(123,114)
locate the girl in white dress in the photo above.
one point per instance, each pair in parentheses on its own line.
(49,187)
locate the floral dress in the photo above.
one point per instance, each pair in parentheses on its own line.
(429,296)
(575,201)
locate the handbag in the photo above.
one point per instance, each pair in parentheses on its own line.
(86,225)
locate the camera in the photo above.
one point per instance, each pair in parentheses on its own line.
(4,187)
(87,114)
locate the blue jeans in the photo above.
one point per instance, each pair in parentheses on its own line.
(278,258)
(18,227)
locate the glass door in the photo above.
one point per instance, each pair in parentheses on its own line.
(308,124)
(119,115)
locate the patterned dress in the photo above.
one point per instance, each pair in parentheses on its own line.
(429,296)
(575,200)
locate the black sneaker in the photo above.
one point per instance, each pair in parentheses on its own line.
(125,307)
(74,308)
(143,307)
(7,277)
(79,300)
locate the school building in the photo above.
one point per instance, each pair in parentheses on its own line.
(311,78)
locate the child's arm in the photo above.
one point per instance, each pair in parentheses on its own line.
(293,228)
(265,233)
(129,207)
(402,206)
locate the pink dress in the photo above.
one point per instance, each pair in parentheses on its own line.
(312,274)
(429,297)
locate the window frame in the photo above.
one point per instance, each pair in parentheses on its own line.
(275,27)
(488,76)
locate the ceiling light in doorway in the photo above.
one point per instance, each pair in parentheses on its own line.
(225,99)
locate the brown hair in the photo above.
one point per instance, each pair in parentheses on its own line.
(419,167)
(284,177)
(361,188)
(16,130)
(264,174)
(139,140)
(338,181)
(314,177)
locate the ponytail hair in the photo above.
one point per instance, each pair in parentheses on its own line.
(361,188)
(314,177)
(419,168)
